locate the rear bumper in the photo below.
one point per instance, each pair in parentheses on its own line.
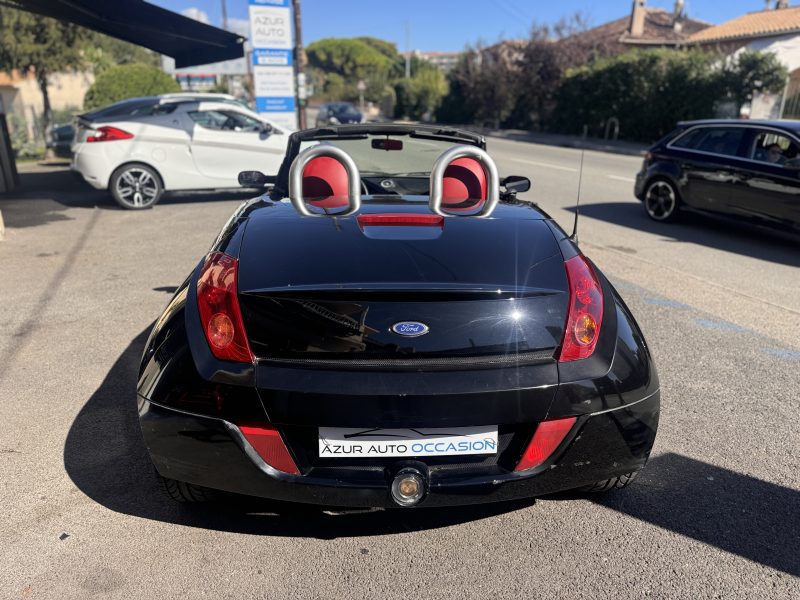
(638,186)
(96,162)
(211,452)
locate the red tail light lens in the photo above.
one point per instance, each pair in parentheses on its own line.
(548,436)
(218,304)
(267,441)
(109,134)
(585,311)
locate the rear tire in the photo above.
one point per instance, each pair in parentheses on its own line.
(662,201)
(185,493)
(136,186)
(615,483)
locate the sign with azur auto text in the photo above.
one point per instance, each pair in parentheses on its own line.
(273,72)
(365,442)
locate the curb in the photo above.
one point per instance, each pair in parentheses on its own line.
(610,147)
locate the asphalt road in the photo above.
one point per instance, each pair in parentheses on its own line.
(715,514)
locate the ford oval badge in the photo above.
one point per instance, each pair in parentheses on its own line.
(410,328)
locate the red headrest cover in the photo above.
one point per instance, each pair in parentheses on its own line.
(325,183)
(464,180)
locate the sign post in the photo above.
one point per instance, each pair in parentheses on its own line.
(273,71)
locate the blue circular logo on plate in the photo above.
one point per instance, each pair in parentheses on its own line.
(410,328)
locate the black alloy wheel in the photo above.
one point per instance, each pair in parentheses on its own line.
(661,201)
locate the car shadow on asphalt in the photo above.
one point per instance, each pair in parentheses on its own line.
(43,197)
(740,514)
(721,234)
(105,457)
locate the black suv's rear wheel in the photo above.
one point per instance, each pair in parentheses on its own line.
(662,201)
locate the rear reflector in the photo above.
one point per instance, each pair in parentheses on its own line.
(401,219)
(548,436)
(268,443)
(585,311)
(218,304)
(109,134)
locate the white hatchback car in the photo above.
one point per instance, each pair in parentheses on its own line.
(182,145)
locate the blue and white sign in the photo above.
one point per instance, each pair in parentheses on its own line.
(273,72)
(272,58)
(273,105)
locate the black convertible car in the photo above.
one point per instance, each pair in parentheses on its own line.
(389,325)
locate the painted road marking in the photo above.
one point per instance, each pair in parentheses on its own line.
(621,178)
(541,164)
(781,353)
(721,325)
(666,302)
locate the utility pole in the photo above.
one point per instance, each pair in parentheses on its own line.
(408,49)
(299,66)
(224,78)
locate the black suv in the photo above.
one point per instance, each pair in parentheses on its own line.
(745,169)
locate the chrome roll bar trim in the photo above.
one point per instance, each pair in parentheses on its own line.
(437,177)
(296,179)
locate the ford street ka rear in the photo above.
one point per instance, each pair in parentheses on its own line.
(395,349)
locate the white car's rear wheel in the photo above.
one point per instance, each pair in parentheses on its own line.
(135,186)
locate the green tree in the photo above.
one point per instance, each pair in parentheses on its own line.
(339,64)
(31,43)
(102,51)
(754,71)
(648,91)
(125,81)
(350,59)
(420,96)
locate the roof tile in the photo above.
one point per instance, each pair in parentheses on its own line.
(755,24)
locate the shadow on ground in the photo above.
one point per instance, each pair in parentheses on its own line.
(105,457)
(44,195)
(730,236)
(737,513)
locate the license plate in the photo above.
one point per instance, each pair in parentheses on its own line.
(338,442)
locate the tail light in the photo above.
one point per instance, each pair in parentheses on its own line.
(218,304)
(266,440)
(401,219)
(547,437)
(585,311)
(109,134)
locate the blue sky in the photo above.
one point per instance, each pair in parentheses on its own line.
(449,25)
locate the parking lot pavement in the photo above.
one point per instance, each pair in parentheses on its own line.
(715,514)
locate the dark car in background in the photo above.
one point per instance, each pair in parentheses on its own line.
(60,140)
(748,170)
(338,113)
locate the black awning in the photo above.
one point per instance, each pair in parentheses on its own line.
(188,41)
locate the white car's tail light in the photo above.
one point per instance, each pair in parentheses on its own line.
(108,134)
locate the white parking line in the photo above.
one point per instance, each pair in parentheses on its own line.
(541,164)
(620,178)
